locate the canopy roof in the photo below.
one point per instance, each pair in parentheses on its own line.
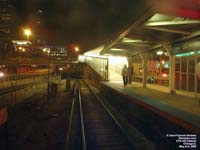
(157,26)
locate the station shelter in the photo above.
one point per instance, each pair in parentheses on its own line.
(162,46)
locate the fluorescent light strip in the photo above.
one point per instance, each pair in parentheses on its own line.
(116,49)
(185,54)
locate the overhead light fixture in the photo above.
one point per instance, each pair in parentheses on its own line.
(129,40)
(159,52)
(116,49)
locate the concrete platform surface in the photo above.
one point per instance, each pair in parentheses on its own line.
(181,105)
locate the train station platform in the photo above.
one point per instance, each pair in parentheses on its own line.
(181,108)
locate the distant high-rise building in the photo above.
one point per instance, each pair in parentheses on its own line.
(6,27)
(6,20)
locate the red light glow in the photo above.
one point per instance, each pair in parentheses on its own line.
(164,75)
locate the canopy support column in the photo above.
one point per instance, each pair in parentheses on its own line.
(144,66)
(168,47)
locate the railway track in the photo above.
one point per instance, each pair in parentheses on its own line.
(117,123)
(100,129)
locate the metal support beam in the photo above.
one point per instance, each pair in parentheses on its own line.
(196,76)
(167,23)
(172,74)
(141,19)
(168,30)
(142,45)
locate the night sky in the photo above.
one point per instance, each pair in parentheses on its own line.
(88,23)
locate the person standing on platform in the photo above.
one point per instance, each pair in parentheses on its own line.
(125,75)
(130,74)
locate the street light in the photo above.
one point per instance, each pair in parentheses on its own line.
(27,32)
(76,48)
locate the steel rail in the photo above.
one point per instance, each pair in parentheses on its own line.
(82,119)
(68,138)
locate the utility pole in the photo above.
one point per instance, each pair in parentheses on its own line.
(48,77)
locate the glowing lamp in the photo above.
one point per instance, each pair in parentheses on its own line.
(1,74)
(164,75)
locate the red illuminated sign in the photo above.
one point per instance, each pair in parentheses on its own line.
(3,116)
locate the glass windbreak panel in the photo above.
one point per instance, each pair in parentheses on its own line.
(98,64)
(198,85)
(198,76)
(191,67)
(177,80)
(177,64)
(183,64)
(183,81)
(191,82)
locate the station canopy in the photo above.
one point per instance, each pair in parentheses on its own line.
(160,23)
